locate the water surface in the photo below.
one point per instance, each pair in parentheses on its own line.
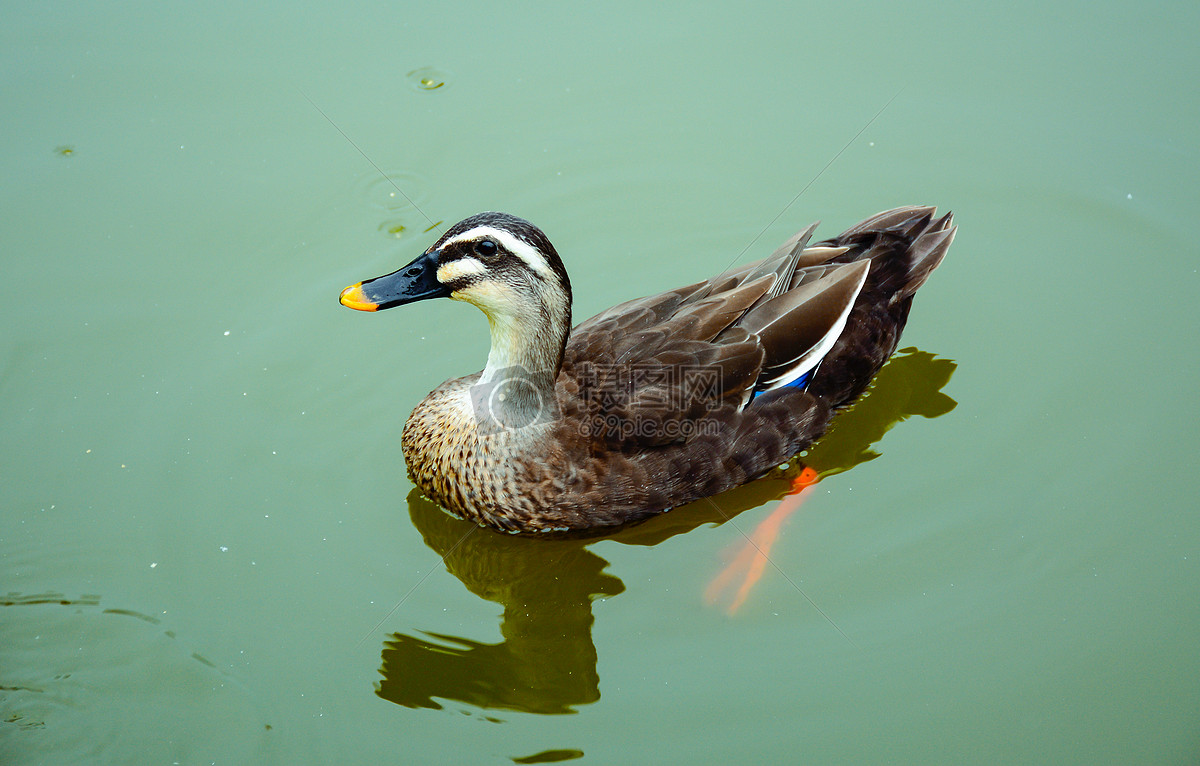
(211,551)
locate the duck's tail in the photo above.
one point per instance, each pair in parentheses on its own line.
(903,246)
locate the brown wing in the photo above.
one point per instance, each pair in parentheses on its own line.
(639,373)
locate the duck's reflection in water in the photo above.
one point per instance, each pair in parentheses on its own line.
(547,660)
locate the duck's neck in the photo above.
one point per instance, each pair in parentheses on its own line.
(526,353)
(522,346)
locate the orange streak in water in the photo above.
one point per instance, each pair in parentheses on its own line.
(755,554)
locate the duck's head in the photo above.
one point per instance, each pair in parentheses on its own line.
(504,265)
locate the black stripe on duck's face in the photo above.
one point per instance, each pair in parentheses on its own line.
(498,251)
(495,278)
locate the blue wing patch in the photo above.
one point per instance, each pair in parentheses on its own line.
(799,383)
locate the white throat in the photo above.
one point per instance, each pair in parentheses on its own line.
(528,329)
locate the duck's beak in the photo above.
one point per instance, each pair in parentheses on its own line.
(415,282)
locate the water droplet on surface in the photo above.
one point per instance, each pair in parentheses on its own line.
(393,229)
(427,78)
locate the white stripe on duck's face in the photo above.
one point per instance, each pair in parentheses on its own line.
(460,269)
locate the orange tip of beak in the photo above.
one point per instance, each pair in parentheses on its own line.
(353,297)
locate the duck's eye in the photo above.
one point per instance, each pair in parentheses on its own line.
(486,247)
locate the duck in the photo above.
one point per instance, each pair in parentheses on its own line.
(661,400)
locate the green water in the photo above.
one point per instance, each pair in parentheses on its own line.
(209,546)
